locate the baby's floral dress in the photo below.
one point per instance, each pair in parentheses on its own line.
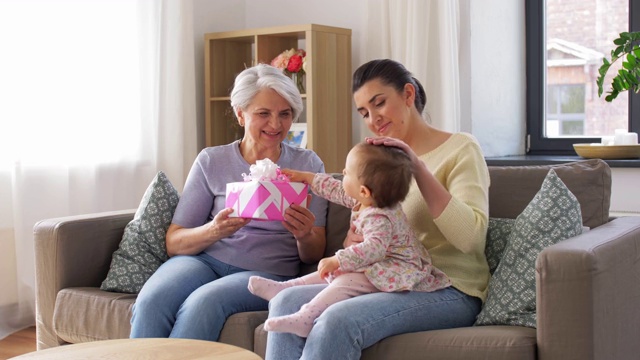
(390,256)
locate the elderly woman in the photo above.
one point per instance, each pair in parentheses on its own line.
(212,255)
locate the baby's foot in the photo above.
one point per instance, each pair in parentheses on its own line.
(298,323)
(266,288)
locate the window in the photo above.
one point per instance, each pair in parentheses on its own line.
(70,82)
(566,40)
(565,110)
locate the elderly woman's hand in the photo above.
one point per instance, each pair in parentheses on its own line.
(223,226)
(299,220)
(191,241)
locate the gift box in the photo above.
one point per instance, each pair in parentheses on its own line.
(265,193)
(264,200)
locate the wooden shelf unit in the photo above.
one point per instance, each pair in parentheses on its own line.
(327,100)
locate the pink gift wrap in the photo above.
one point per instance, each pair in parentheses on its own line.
(264,200)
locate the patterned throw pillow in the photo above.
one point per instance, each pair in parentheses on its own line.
(552,216)
(497,238)
(143,248)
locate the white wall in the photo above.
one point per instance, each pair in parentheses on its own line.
(625,198)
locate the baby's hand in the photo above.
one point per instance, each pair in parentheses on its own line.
(327,266)
(299,176)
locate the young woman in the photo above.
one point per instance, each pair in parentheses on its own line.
(447,207)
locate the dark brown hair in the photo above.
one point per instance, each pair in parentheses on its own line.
(386,171)
(390,73)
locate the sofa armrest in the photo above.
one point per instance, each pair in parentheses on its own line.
(72,251)
(588,291)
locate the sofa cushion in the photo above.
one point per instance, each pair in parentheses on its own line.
(489,342)
(85,314)
(239,328)
(552,216)
(513,187)
(143,248)
(497,238)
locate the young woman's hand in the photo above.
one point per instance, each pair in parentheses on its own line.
(352,238)
(389,141)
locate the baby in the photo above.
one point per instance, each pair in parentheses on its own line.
(390,257)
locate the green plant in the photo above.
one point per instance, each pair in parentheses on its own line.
(628,77)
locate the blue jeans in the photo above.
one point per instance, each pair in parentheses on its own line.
(348,327)
(192,297)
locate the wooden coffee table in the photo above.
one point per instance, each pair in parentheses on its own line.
(169,349)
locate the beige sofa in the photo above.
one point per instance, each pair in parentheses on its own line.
(588,287)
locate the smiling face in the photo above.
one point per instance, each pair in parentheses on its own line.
(385,110)
(267,119)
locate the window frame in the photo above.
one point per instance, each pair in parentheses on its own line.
(536,143)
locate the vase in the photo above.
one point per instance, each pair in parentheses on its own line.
(298,79)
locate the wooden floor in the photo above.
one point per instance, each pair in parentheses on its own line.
(21,342)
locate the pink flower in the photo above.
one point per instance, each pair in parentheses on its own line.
(295,64)
(280,62)
(291,61)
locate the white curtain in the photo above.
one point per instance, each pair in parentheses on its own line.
(96,97)
(424,35)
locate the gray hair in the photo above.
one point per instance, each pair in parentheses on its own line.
(262,76)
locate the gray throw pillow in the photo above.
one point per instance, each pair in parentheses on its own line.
(143,248)
(552,216)
(497,239)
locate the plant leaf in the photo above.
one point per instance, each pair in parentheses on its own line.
(631,79)
(619,41)
(618,83)
(616,52)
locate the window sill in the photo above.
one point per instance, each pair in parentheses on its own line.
(521,160)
